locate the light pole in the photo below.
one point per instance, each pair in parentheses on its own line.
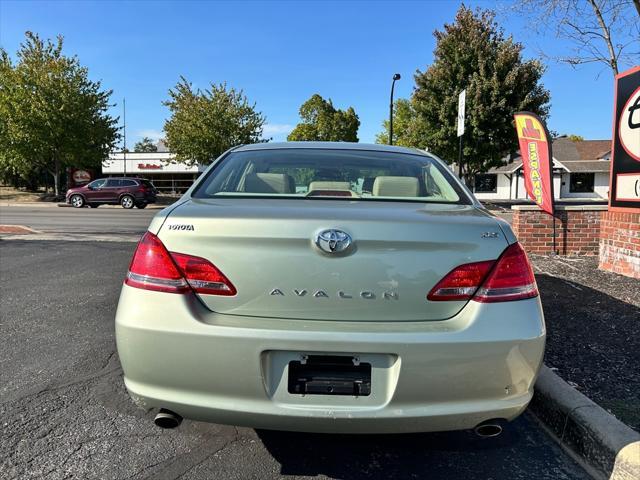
(124,136)
(396,76)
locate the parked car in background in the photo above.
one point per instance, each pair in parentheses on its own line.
(331,287)
(126,191)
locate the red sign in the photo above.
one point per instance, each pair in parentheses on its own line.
(79,177)
(535,149)
(149,166)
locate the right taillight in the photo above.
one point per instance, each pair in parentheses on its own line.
(153,267)
(509,278)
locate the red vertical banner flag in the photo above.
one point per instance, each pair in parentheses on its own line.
(537,160)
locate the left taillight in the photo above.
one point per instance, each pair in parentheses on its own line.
(153,267)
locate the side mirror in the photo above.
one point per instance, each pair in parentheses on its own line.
(89,187)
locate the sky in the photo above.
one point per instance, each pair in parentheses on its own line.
(281,53)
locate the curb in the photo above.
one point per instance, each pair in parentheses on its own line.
(152,206)
(29,204)
(606,446)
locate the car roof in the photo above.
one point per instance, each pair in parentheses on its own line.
(328,145)
(120,178)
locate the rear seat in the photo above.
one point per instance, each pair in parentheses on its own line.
(269,183)
(396,187)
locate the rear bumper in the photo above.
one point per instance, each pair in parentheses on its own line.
(426,376)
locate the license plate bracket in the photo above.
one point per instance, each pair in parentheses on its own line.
(329,375)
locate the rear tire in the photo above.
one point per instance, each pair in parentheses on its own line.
(127,202)
(77,201)
(141,205)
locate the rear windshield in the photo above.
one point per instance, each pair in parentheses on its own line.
(339,174)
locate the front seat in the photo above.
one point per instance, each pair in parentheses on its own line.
(269,183)
(396,187)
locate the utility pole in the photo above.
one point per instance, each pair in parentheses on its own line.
(124,135)
(396,76)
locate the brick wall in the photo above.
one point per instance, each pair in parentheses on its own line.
(620,243)
(577,229)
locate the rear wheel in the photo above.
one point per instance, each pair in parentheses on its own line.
(77,201)
(127,201)
(141,205)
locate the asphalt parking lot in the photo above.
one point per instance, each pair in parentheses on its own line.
(71,222)
(65,413)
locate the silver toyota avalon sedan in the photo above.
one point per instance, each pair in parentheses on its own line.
(330,287)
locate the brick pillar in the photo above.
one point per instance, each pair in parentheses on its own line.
(620,243)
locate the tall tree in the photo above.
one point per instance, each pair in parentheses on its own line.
(145,145)
(473,54)
(51,115)
(408,129)
(321,121)
(204,124)
(601,31)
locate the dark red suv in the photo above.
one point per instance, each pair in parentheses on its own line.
(128,192)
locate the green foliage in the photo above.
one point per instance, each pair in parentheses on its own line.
(51,115)
(321,121)
(575,138)
(204,124)
(145,145)
(472,54)
(408,129)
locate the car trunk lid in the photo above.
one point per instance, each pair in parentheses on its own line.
(267,250)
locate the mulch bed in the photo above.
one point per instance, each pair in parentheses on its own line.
(593,331)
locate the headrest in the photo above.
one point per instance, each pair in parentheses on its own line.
(269,183)
(396,187)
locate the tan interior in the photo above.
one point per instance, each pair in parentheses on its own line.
(396,187)
(269,183)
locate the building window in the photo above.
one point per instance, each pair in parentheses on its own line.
(581,182)
(486,183)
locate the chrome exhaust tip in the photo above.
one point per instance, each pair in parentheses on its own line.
(167,419)
(488,429)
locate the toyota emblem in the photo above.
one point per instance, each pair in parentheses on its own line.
(333,241)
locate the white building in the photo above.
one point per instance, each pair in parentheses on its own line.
(159,167)
(580,171)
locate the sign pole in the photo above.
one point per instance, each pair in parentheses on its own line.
(460,157)
(462,97)
(124,136)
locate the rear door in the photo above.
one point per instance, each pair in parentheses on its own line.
(111,191)
(128,186)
